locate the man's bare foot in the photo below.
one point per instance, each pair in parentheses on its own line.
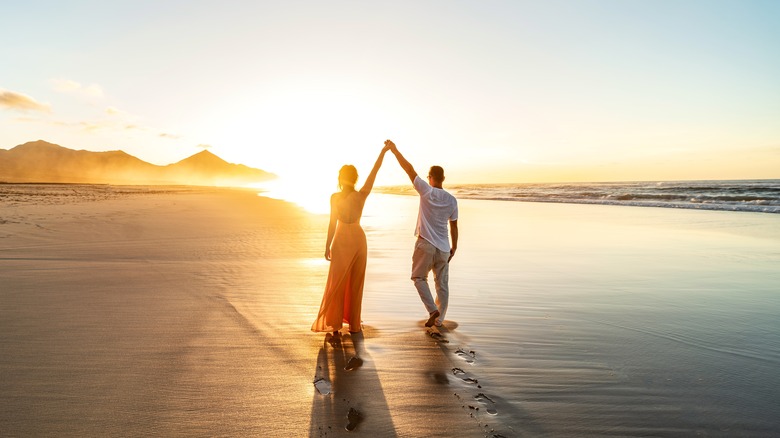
(432,318)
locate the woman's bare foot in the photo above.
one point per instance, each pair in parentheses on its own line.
(353,363)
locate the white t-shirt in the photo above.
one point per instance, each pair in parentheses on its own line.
(437,208)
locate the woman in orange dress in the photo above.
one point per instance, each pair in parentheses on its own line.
(347,252)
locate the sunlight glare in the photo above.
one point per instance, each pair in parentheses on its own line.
(317,262)
(314,198)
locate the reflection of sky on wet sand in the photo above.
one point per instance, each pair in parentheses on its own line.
(604,307)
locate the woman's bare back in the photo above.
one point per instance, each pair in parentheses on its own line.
(349,206)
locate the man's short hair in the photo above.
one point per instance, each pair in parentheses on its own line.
(437,173)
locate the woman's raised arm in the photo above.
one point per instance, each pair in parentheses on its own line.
(369,184)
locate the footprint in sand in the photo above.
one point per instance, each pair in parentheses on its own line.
(438,337)
(322,385)
(490,405)
(462,376)
(354,363)
(469,356)
(353,419)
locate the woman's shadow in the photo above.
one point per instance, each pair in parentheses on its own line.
(348,395)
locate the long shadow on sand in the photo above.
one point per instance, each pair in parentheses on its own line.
(348,397)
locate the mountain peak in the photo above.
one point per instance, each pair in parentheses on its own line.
(41,161)
(202,159)
(37,144)
(204,153)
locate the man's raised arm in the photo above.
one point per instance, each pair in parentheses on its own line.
(405,165)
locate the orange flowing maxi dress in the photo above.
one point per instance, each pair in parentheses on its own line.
(343,297)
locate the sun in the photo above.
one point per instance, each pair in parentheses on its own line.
(305,138)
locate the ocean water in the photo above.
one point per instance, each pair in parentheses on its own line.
(735,195)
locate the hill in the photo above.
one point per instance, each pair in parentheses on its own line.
(41,161)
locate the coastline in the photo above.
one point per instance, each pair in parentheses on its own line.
(761,195)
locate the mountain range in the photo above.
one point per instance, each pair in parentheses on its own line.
(41,161)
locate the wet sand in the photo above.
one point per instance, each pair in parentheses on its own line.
(186,312)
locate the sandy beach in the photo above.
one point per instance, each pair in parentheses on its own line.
(185,311)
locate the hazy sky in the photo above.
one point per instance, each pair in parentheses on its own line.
(494,91)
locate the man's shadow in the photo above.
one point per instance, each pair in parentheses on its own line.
(348,395)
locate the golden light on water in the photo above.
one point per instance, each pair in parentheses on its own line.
(316,263)
(313,198)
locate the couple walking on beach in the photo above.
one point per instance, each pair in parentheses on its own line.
(347,251)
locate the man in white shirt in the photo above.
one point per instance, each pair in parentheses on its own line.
(432,251)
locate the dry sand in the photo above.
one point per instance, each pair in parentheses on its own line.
(132,311)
